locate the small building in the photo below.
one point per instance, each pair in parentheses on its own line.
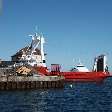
(6,64)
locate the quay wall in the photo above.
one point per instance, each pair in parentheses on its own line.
(21,83)
(9,80)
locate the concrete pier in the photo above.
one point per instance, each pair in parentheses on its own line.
(20,82)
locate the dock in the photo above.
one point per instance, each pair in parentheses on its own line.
(11,81)
(15,83)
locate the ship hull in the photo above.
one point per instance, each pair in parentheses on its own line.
(84,79)
(85,76)
(76,76)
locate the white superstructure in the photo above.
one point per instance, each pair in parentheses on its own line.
(31,54)
(36,41)
(79,68)
(100,63)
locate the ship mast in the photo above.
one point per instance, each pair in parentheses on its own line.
(36,40)
(42,42)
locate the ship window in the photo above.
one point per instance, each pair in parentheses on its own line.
(80,66)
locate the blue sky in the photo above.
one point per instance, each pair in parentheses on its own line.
(71,28)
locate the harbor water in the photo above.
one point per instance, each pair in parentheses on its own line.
(74,97)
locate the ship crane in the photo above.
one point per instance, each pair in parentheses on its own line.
(36,41)
(29,57)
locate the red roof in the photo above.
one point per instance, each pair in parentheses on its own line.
(27,50)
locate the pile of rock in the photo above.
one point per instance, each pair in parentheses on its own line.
(26,70)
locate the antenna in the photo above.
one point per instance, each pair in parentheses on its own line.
(79,61)
(36,31)
(36,28)
(73,62)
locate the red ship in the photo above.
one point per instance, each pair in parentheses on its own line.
(36,58)
(81,73)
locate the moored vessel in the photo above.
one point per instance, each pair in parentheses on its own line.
(81,73)
(36,58)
